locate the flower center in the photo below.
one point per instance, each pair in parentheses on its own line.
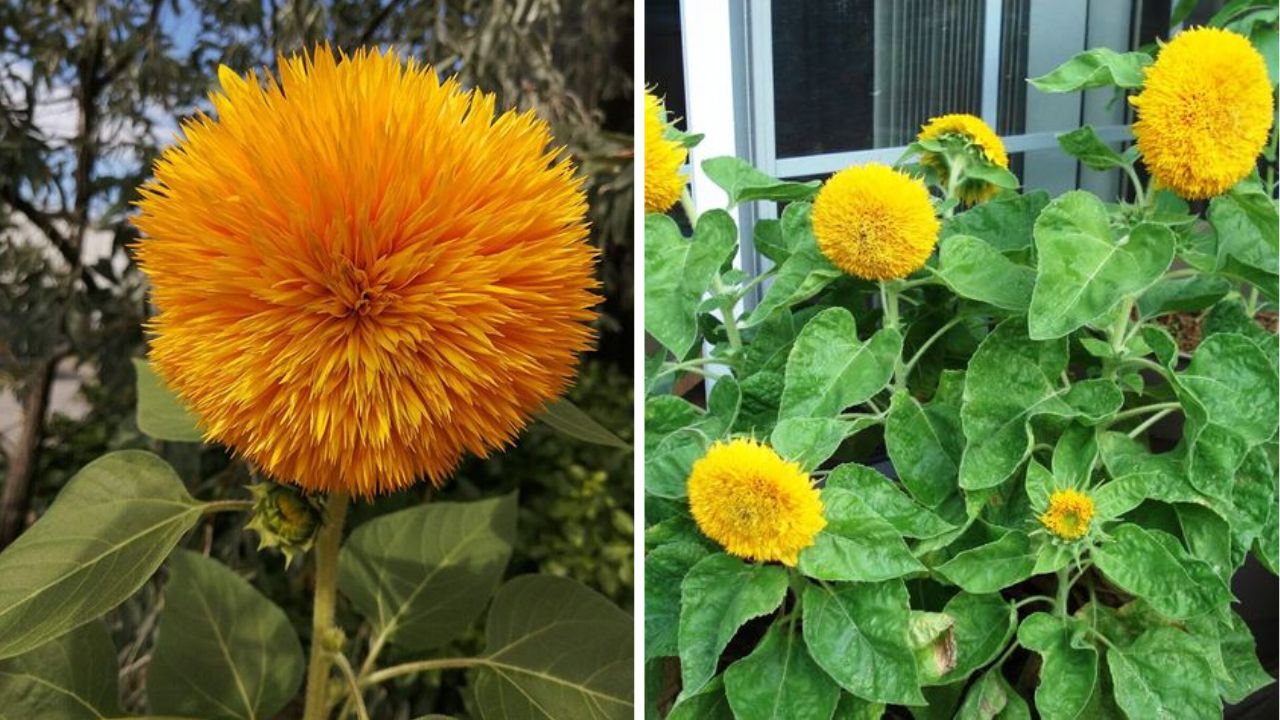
(354,293)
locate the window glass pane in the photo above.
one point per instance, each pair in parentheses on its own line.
(663,58)
(862,74)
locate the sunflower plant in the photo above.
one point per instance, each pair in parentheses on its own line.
(950,461)
(360,272)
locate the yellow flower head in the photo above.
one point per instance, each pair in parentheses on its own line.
(1069,514)
(980,137)
(1204,112)
(875,222)
(663,158)
(754,503)
(362,273)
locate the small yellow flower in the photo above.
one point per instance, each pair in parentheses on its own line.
(1069,514)
(980,137)
(663,158)
(874,222)
(755,504)
(1204,112)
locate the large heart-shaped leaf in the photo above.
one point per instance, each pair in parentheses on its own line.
(830,369)
(555,650)
(717,596)
(70,678)
(1069,672)
(851,628)
(925,441)
(423,575)
(664,569)
(1007,384)
(887,500)
(223,650)
(105,534)
(679,272)
(994,566)
(1084,270)
(1163,674)
(779,680)
(1004,223)
(857,544)
(1153,566)
(974,269)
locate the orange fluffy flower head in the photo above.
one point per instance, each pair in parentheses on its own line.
(362,272)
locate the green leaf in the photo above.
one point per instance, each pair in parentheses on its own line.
(830,369)
(223,650)
(1069,673)
(993,566)
(887,500)
(1094,401)
(1004,223)
(851,628)
(1208,536)
(666,414)
(667,468)
(1236,385)
(1138,475)
(72,677)
(1242,674)
(810,441)
(709,703)
(852,707)
(423,575)
(925,443)
(677,273)
(1189,294)
(717,596)
(1245,220)
(933,644)
(664,569)
(160,413)
(1006,385)
(572,421)
(857,544)
(555,650)
(983,626)
(761,394)
(1174,583)
(779,679)
(977,271)
(992,698)
(1084,144)
(804,273)
(743,183)
(105,534)
(1099,67)
(1230,316)
(1163,674)
(1084,271)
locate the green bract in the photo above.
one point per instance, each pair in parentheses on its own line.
(1036,495)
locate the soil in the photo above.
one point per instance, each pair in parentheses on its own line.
(1185,327)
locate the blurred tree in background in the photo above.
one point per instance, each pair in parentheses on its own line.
(92,90)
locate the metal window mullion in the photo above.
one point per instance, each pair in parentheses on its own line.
(993,16)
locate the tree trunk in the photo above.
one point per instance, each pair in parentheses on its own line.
(16,496)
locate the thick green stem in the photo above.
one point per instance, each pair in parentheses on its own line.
(727,310)
(1064,589)
(889,301)
(686,204)
(322,628)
